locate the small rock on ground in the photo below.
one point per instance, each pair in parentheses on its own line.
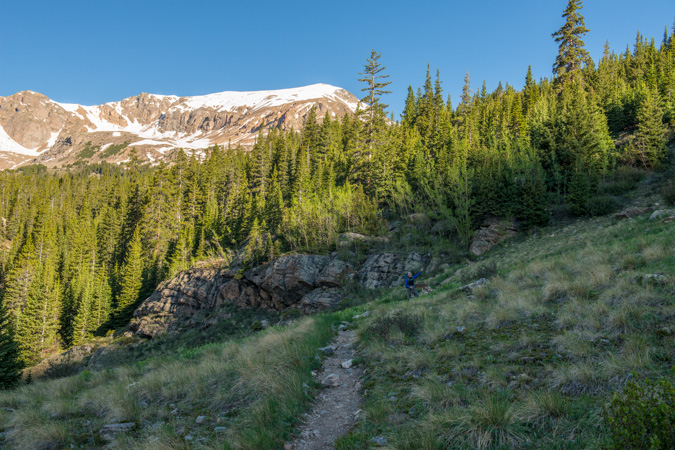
(331,380)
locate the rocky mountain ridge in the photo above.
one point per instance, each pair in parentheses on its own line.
(36,129)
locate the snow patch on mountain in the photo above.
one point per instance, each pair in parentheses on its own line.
(231,100)
(7,144)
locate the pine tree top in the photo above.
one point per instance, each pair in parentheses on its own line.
(572,56)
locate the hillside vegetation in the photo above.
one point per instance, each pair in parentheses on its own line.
(530,359)
(569,314)
(83,246)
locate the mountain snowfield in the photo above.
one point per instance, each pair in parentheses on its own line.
(36,129)
(7,144)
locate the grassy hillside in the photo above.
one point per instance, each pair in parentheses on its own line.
(249,393)
(527,361)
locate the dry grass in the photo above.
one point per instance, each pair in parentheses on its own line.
(636,354)
(541,405)
(561,326)
(574,344)
(493,421)
(584,377)
(256,383)
(436,395)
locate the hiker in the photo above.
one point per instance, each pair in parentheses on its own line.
(410,284)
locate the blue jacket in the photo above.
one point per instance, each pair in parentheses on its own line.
(411,280)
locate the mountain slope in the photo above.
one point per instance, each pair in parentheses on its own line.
(34,128)
(539,349)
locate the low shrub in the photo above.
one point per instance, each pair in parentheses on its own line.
(642,416)
(601,205)
(668,192)
(486,270)
(409,324)
(622,181)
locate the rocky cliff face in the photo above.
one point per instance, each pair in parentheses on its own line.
(34,128)
(308,283)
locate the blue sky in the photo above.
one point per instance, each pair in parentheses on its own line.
(91,52)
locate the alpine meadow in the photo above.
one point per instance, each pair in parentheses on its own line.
(213,298)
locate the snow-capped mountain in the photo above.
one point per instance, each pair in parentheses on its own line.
(35,129)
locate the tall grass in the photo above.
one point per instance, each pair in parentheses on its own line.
(529,360)
(253,388)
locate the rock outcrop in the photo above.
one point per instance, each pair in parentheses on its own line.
(490,235)
(632,211)
(388,269)
(663,214)
(307,282)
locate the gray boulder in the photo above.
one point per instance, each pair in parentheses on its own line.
(347,239)
(290,277)
(389,269)
(662,214)
(109,431)
(320,300)
(469,288)
(492,234)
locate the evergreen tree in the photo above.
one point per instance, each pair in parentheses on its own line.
(531,207)
(156,223)
(581,133)
(465,101)
(274,207)
(409,114)
(579,191)
(180,256)
(38,326)
(19,281)
(101,302)
(648,146)
(10,362)
(460,176)
(375,88)
(529,91)
(572,55)
(131,281)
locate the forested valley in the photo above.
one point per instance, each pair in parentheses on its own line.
(83,245)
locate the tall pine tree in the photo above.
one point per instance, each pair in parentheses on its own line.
(10,363)
(572,56)
(131,281)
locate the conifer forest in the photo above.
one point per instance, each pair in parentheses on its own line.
(82,246)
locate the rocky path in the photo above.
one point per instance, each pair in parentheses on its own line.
(337,407)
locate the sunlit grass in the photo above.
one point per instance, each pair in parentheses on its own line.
(257,384)
(561,326)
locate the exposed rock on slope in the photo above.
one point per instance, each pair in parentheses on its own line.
(306,282)
(388,269)
(34,128)
(490,235)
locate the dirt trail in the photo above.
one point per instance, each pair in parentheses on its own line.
(336,408)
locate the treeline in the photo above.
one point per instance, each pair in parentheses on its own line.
(82,248)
